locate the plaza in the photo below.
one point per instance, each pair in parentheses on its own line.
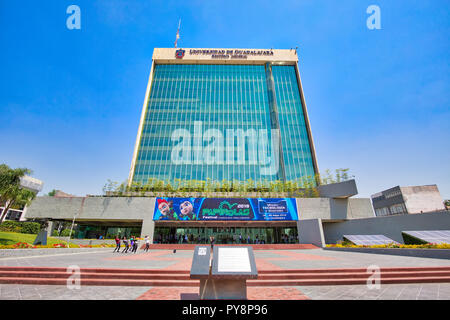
(178,265)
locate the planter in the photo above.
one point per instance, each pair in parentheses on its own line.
(420,253)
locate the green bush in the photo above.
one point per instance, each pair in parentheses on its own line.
(20,227)
(30,227)
(10,226)
(66,233)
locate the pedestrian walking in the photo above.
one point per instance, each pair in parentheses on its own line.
(131,243)
(135,245)
(117,244)
(147,243)
(125,242)
(211,239)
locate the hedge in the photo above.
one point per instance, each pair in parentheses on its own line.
(20,227)
(63,233)
(66,233)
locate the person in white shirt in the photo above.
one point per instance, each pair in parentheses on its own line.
(147,243)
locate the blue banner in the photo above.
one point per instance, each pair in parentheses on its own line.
(225,209)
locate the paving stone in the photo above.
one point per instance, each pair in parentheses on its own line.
(429,292)
(391,292)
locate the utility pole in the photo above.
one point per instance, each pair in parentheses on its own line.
(178,33)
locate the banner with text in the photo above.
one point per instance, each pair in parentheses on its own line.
(220,209)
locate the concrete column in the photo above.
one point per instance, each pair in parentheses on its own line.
(148,228)
(310,232)
(50,228)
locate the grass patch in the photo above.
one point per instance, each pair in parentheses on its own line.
(14,240)
(10,238)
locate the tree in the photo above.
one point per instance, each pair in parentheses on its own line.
(11,193)
(110,186)
(52,193)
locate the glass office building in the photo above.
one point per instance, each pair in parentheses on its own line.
(223,114)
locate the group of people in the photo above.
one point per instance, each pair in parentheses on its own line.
(131,244)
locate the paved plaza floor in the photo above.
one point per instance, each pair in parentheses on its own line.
(182,259)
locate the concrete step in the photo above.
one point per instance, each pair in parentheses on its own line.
(266,276)
(196,283)
(352,275)
(340,270)
(96,270)
(329,282)
(164,271)
(277,246)
(86,275)
(101,282)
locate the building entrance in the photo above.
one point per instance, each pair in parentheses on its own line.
(226,235)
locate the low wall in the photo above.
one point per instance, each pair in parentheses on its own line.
(87,241)
(12,253)
(390,226)
(420,253)
(191,246)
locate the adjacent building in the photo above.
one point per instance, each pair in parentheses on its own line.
(407,200)
(17,214)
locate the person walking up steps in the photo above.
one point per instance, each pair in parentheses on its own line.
(117,244)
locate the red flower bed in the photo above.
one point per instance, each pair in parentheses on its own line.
(22,245)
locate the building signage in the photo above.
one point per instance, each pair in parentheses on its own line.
(179,54)
(224,53)
(225,209)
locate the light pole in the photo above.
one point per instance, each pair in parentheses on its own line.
(71,228)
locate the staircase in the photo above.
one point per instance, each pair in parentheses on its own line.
(274,246)
(316,277)
(180,278)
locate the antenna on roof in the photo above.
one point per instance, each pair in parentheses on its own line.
(178,33)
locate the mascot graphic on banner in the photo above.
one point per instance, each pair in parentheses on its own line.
(166,209)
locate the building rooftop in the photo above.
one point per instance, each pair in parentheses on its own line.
(224,56)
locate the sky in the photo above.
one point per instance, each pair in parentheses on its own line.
(378,100)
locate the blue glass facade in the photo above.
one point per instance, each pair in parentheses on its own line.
(220,122)
(297,155)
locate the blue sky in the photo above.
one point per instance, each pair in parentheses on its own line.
(378,100)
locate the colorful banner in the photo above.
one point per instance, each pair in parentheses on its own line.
(225,209)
